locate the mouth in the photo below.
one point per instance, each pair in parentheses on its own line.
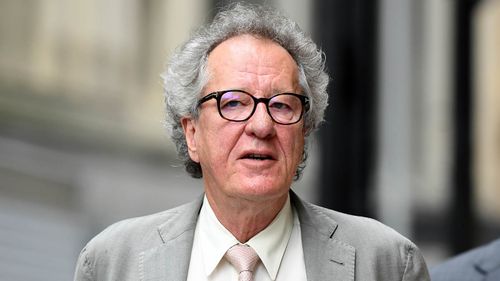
(257,156)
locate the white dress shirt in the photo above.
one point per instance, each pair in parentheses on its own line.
(279,247)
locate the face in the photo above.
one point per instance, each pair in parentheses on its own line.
(256,159)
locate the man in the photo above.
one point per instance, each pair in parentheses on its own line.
(242,95)
(479,264)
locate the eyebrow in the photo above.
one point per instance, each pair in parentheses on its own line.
(274,92)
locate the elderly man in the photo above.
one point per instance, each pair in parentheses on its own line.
(242,95)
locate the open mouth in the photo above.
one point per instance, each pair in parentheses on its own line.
(254,156)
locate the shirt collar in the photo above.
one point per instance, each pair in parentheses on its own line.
(270,244)
(215,238)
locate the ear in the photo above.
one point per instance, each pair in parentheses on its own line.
(189,128)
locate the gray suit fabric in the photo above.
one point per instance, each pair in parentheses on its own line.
(479,264)
(336,247)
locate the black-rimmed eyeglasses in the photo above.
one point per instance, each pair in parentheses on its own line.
(239,106)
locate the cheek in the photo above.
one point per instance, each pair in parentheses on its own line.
(218,143)
(295,147)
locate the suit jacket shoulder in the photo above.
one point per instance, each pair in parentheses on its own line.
(482,263)
(122,250)
(371,249)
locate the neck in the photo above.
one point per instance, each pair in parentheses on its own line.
(245,218)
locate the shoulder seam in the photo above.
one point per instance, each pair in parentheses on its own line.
(409,255)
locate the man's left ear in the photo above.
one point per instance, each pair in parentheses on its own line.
(189,128)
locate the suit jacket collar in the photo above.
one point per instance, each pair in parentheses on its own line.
(324,255)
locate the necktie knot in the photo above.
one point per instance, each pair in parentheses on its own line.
(244,259)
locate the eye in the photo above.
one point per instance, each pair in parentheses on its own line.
(235,100)
(279,106)
(232,103)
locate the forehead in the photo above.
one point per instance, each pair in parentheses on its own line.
(252,63)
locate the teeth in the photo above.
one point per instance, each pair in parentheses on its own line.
(258,156)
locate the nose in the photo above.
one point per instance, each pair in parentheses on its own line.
(260,124)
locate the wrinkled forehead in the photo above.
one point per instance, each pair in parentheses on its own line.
(250,36)
(248,59)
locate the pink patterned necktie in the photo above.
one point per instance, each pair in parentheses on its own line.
(244,259)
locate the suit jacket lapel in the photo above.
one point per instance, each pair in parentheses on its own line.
(325,256)
(170,260)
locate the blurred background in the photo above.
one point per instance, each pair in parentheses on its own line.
(412,135)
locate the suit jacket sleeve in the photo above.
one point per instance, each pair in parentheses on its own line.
(415,268)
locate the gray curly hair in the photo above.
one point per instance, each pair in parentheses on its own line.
(186,73)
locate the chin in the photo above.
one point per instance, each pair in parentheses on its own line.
(263,189)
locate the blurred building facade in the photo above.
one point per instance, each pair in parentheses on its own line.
(82,143)
(81,137)
(487,109)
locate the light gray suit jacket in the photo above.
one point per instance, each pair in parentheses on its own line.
(336,247)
